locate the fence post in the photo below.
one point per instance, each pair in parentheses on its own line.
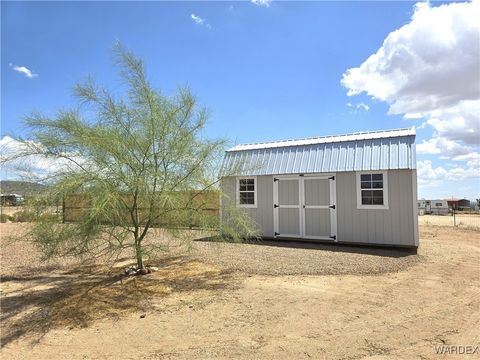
(454,220)
(63,209)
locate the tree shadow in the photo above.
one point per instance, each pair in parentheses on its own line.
(34,305)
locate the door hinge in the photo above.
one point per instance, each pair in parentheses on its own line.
(275,206)
(304,206)
(275,179)
(334,237)
(331,178)
(276,233)
(332,206)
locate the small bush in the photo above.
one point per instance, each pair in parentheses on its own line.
(24,216)
(5,218)
(51,218)
(31,216)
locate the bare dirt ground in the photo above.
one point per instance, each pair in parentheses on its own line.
(254,301)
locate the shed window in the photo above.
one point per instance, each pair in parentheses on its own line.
(372,190)
(438,204)
(246,193)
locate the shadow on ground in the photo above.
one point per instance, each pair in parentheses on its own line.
(394,252)
(34,305)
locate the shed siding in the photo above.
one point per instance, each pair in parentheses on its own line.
(395,226)
(263,213)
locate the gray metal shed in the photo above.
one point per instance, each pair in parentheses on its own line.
(354,188)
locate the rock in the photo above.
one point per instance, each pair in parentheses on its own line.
(142,316)
(153,268)
(143,271)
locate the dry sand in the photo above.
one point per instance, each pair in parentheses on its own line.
(360,304)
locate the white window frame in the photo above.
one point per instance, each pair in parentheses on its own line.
(385,191)
(237,190)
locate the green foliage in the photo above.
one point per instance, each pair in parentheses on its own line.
(237,225)
(24,216)
(5,218)
(131,156)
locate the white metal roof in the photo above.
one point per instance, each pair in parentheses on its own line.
(379,150)
(367,135)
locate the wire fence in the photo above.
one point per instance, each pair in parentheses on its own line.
(461,220)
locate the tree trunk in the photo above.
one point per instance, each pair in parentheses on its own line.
(138,253)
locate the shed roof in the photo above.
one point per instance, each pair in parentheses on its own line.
(376,150)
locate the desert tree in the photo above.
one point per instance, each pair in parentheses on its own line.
(130,162)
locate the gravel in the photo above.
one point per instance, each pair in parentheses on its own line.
(260,257)
(297,258)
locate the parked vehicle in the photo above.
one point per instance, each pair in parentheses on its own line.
(12,199)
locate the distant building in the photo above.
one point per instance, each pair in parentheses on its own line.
(464,204)
(453,203)
(434,207)
(459,204)
(11,199)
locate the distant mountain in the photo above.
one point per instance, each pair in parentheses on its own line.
(24,188)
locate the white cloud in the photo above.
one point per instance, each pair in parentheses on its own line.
(429,63)
(443,146)
(359,106)
(31,165)
(460,122)
(429,175)
(472,159)
(363,106)
(265,3)
(199,21)
(23,70)
(429,70)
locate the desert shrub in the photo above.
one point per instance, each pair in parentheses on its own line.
(31,216)
(5,218)
(52,218)
(24,216)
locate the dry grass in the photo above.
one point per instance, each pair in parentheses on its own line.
(469,221)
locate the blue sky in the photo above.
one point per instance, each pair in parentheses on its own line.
(265,72)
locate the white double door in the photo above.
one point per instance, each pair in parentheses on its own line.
(304,207)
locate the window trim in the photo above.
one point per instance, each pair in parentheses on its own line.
(385,191)
(237,191)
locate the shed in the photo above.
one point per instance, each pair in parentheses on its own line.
(356,188)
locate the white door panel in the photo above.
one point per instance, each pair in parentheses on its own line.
(304,207)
